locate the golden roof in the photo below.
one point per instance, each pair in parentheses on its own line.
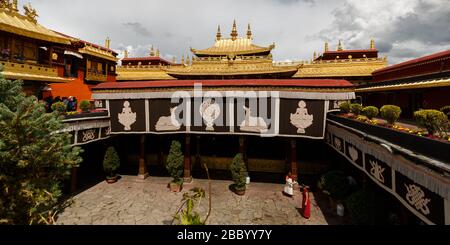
(340,68)
(224,67)
(433,83)
(13,22)
(98,52)
(141,73)
(239,46)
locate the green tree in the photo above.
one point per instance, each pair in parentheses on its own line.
(174,162)
(238,172)
(34,157)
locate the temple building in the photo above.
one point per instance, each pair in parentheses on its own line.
(50,63)
(422,83)
(232,58)
(29,51)
(355,66)
(87,65)
(147,68)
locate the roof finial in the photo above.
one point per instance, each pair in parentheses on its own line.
(249,32)
(314,55)
(125,53)
(152,52)
(339,48)
(107,42)
(14,6)
(219,34)
(157,52)
(372,43)
(174,59)
(326,47)
(234,33)
(182,59)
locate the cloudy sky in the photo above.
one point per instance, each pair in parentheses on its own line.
(402,29)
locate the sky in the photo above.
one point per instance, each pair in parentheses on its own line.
(402,29)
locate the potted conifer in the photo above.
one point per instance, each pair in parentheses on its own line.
(174,165)
(111,163)
(238,174)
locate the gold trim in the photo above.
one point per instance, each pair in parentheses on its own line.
(18,24)
(31,72)
(416,85)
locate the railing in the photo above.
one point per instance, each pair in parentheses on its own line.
(27,68)
(435,149)
(96,76)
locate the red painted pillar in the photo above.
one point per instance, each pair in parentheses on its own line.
(294,159)
(143,174)
(187,159)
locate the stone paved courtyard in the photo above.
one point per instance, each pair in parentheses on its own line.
(133,201)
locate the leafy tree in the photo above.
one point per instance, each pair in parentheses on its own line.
(174,162)
(390,113)
(111,161)
(85,105)
(345,107)
(238,172)
(34,157)
(356,109)
(433,120)
(370,112)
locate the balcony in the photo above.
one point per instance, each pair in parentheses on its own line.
(32,72)
(417,145)
(97,76)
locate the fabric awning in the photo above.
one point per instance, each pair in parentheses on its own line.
(76,54)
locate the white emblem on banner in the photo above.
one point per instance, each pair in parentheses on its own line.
(377,171)
(338,143)
(88,135)
(416,197)
(209,111)
(253,124)
(169,123)
(301,119)
(127,117)
(353,153)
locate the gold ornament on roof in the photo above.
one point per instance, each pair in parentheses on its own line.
(234,33)
(249,32)
(372,43)
(339,48)
(152,52)
(219,34)
(107,42)
(326,47)
(30,13)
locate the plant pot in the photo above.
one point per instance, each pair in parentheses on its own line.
(174,187)
(111,179)
(239,192)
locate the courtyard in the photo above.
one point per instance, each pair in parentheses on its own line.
(132,201)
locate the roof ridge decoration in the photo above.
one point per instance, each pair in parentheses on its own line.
(12,21)
(234,32)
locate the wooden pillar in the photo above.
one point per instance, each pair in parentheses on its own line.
(294,159)
(197,153)
(143,174)
(74,180)
(187,159)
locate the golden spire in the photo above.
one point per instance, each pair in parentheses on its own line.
(249,32)
(152,52)
(372,43)
(14,6)
(339,48)
(314,55)
(234,33)
(125,53)
(188,59)
(174,59)
(218,35)
(182,59)
(107,42)
(326,47)
(157,52)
